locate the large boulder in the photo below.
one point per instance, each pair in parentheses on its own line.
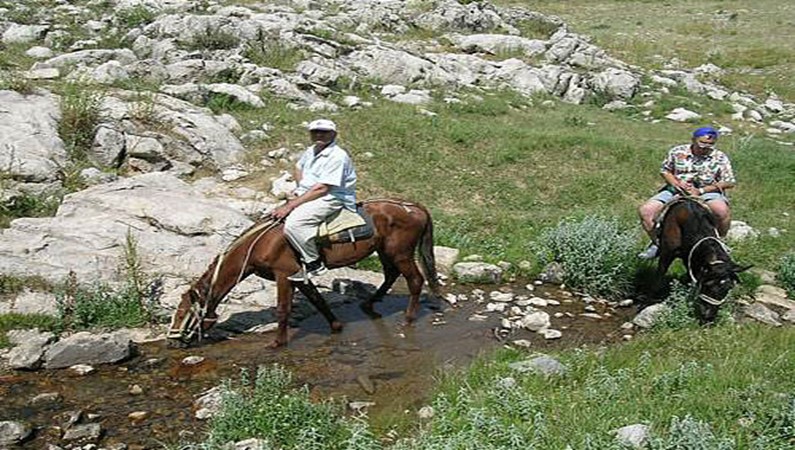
(29,349)
(87,348)
(175,226)
(12,433)
(616,83)
(30,148)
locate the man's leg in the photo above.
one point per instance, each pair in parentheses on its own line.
(720,209)
(301,225)
(648,214)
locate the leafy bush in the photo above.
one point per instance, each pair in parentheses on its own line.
(274,55)
(681,313)
(14,81)
(786,273)
(80,114)
(27,206)
(269,408)
(596,254)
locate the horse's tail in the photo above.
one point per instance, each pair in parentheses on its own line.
(427,258)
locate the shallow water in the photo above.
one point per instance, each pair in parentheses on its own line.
(399,362)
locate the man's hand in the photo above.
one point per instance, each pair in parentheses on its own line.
(282,211)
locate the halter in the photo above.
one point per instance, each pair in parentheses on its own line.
(702,296)
(196,316)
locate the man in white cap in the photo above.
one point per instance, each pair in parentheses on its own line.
(326,183)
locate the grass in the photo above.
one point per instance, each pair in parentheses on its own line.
(785,274)
(213,39)
(27,206)
(695,388)
(702,379)
(80,115)
(499,172)
(274,55)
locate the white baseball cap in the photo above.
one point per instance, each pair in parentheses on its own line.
(322,125)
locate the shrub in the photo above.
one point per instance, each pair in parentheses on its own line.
(270,409)
(786,274)
(135,16)
(681,313)
(14,81)
(80,114)
(213,39)
(274,55)
(27,206)
(596,254)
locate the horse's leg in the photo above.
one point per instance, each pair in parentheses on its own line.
(414,279)
(310,292)
(391,273)
(284,294)
(666,258)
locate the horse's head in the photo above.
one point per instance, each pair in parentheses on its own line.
(191,319)
(715,281)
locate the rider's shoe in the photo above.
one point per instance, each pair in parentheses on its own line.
(308,271)
(650,252)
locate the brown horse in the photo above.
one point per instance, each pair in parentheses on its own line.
(688,231)
(401,228)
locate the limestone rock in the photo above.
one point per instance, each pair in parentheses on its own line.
(649,315)
(87,348)
(477,272)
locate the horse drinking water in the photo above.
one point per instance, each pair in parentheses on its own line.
(688,231)
(400,230)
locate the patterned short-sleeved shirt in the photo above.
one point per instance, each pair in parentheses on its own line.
(698,170)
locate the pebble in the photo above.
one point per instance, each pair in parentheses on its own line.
(360,406)
(366,384)
(550,334)
(591,315)
(136,390)
(192,360)
(138,416)
(82,369)
(522,343)
(425,413)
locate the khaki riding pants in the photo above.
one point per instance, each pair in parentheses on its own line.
(301,225)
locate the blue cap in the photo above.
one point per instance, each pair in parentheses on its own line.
(706,131)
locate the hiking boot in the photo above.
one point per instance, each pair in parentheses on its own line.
(650,252)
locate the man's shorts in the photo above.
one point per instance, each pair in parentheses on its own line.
(666,196)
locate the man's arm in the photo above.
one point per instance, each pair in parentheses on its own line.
(313,193)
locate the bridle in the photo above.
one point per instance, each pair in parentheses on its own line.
(706,298)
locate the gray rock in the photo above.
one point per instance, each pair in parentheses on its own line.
(283,186)
(649,315)
(413,97)
(88,58)
(209,403)
(109,146)
(29,350)
(144,147)
(88,432)
(789,316)
(616,83)
(535,321)
(445,258)
(87,348)
(30,302)
(46,397)
(239,93)
(553,273)
(541,365)
(498,43)
(39,52)
(773,296)
(30,148)
(109,73)
(23,34)
(251,444)
(740,230)
(12,432)
(635,436)
(682,115)
(761,313)
(477,272)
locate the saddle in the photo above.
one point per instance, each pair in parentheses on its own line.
(345,226)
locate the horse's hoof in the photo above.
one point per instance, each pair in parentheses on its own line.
(336,326)
(277,343)
(367,308)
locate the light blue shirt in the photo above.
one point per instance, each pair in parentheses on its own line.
(333,167)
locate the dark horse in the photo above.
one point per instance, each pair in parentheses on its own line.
(688,231)
(401,228)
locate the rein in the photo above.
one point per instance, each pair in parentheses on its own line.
(702,296)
